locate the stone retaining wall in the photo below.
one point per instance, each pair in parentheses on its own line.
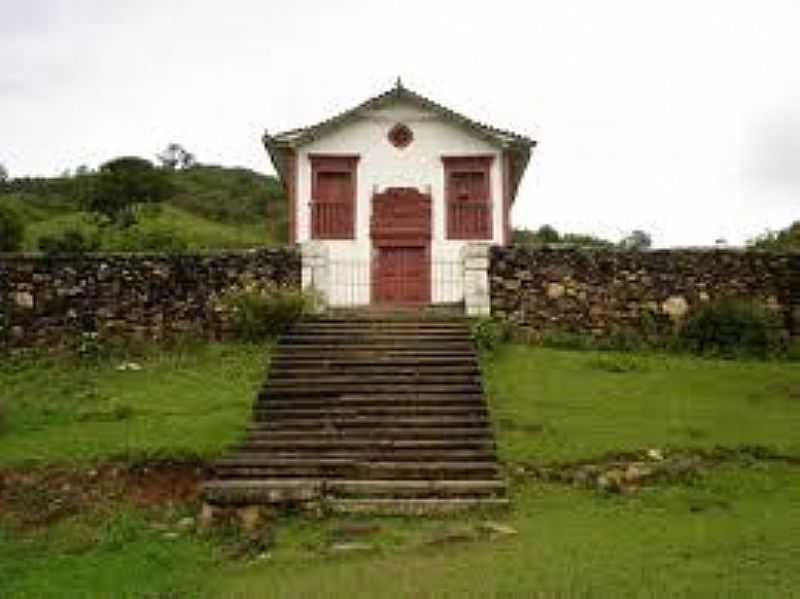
(598,291)
(45,298)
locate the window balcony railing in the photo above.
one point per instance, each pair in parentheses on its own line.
(332,220)
(469,220)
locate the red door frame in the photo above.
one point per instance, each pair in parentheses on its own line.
(401,218)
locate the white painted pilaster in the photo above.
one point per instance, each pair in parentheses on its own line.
(477,299)
(316,270)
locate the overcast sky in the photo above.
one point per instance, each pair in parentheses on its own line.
(678,117)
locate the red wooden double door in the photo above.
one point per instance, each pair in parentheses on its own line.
(401,241)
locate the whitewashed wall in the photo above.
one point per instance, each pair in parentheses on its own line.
(382,165)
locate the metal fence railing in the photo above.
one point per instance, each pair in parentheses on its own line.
(351,284)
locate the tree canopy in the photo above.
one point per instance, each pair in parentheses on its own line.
(175,157)
(787,239)
(636,240)
(12,230)
(549,234)
(124,183)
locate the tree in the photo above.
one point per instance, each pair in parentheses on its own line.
(787,239)
(585,240)
(544,234)
(70,241)
(175,157)
(82,186)
(636,240)
(12,230)
(124,183)
(548,234)
(3,173)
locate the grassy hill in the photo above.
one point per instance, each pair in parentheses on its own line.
(212,207)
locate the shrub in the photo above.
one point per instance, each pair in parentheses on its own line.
(561,339)
(257,311)
(732,327)
(71,241)
(12,230)
(165,240)
(793,351)
(490,333)
(622,338)
(88,347)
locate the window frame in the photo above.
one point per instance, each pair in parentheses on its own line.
(454,165)
(336,164)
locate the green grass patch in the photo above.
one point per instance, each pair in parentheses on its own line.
(189,402)
(122,552)
(559,406)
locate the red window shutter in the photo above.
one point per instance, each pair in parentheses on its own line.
(468,197)
(333,197)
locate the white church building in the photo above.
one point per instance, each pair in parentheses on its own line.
(391,198)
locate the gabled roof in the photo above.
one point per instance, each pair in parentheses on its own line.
(519,146)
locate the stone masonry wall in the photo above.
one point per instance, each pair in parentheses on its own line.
(45,298)
(593,290)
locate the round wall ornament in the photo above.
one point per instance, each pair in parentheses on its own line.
(400,136)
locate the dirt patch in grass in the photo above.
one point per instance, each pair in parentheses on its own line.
(42,496)
(163,483)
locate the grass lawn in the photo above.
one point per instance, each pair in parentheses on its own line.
(189,402)
(560,406)
(733,532)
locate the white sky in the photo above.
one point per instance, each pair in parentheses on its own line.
(678,117)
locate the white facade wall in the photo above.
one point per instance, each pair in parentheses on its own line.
(382,165)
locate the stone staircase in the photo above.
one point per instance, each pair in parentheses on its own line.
(371,414)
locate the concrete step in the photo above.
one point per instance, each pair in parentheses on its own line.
(261,491)
(369,332)
(415,488)
(376,400)
(415,507)
(359,454)
(258,431)
(277,490)
(381,324)
(356,470)
(330,380)
(268,421)
(354,338)
(293,370)
(277,360)
(387,412)
(367,446)
(381,349)
(309,390)
(413,314)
